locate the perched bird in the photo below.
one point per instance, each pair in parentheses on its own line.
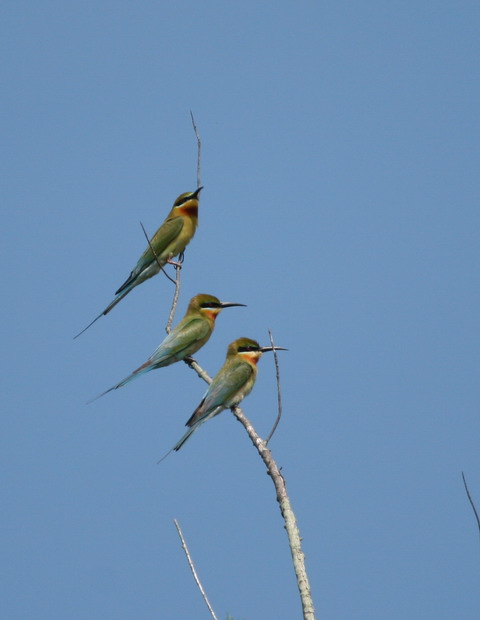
(187,338)
(169,241)
(230,385)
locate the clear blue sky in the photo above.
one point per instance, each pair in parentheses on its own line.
(341,203)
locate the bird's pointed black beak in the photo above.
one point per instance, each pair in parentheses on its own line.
(264,349)
(230,304)
(197,191)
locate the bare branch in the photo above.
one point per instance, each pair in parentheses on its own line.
(173,309)
(471,502)
(194,365)
(194,572)
(294,539)
(178,266)
(273,471)
(279,393)
(288,515)
(199,148)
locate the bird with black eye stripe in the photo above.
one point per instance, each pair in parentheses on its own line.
(193,331)
(230,385)
(169,241)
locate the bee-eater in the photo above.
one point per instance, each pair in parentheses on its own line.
(230,385)
(187,338)
(169,241)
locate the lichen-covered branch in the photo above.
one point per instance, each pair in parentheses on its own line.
(286,510)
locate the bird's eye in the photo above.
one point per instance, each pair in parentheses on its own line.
(247,349)
(210,304)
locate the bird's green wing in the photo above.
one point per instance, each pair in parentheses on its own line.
(223,388)
(189,335)
(168,231)
(226,384)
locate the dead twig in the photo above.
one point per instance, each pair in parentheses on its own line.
(279,393)
(194,572)
(176,294)
(471,502)
(199,148)
(178,267)
(155,254)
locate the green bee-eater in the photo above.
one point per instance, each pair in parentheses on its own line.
(169,241)
(187,338)
(230,385)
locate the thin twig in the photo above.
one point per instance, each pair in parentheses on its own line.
(155,254)
(176,294)
(279,393)
(294,539)
(471,502)
(178,267)
(199,148)
(173,309)
(194,572)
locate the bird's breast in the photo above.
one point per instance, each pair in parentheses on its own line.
(182,240)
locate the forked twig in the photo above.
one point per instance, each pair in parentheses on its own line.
(279,393)
(471,502)
(194,572)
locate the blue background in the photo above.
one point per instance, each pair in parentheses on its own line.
(341,203)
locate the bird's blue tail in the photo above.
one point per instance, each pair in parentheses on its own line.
(111,305)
